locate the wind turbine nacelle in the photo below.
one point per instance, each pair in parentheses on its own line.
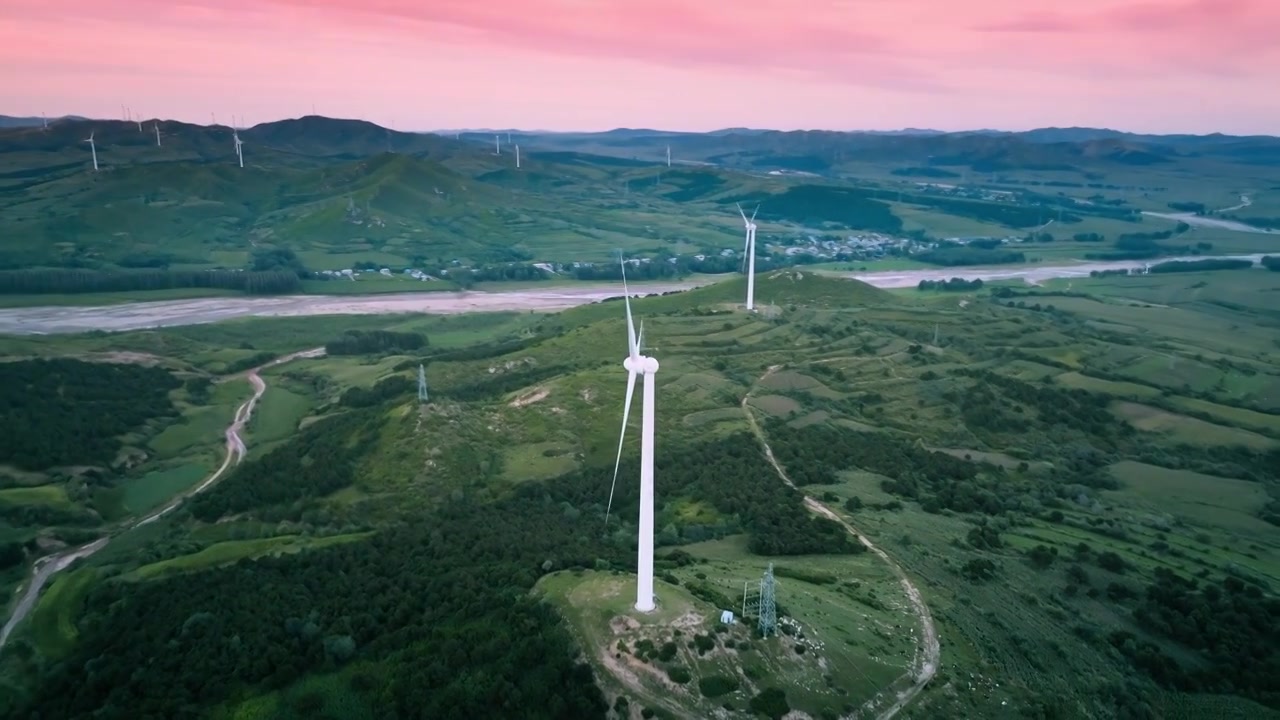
(648,365)
(633,367)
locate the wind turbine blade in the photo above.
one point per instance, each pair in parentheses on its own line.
(626,412)
(753,212)
(741,212)
(640,338)
(632,349)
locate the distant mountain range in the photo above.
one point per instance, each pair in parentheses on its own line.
(7,121)
(343,190)
(1038,135)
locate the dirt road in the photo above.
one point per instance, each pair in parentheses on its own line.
(929,652)
(46,567)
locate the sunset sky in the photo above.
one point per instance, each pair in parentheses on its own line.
(1159,66)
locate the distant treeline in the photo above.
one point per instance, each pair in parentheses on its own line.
(1258,222)
(362,342)
(959,255)
(1108,273)
(1145,245)
(1272,263)
(1200,266)
(1191,207)
(60,281)
(955,284)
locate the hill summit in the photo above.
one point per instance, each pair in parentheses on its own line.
(795,286)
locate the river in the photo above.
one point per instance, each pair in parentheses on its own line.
(167,313)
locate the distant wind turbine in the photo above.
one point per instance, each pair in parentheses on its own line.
(236,136)
(46,121)
(93,149)
(517,157)
(668,156)
(497,145)
(157,128)
(750,249)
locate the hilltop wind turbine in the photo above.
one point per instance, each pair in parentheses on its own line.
(497,145)
(93,149)
(750,250)
(46,120)
(668,156)
(236,136)
(637,364)
(156,125)
(517,157)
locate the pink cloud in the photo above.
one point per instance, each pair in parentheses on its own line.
(594,63)
(824,39)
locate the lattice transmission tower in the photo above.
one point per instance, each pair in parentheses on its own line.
(759,599)
(422,384)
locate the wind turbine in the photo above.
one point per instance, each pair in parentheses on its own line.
(750,250)
(497,145)
(517,157)
(156,125)
(93,149)
(46,121)
(236,136)
(668,156)
(637,364)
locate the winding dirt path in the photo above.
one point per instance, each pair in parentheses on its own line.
(46,567)
(928,654)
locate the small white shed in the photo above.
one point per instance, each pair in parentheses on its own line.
(726,617)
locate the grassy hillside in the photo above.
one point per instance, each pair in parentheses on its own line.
(1068,474)
(344,192)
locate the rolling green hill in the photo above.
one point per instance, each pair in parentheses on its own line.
(1077,479)
(341,193)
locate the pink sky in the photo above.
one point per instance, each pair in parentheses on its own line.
(1158,66)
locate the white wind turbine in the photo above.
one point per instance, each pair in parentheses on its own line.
(497,145)
(750,250)
(517,157)
(157,127)
(235,135)
(668,156)
(637,364)
(93,149)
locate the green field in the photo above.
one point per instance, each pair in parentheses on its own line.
(53,622)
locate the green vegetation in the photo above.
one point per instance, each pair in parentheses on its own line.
(64,411)
(1079,477)
(332,195)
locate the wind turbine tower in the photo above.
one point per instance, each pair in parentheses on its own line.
(93,149)
(750,250)
(239,153)
(497,145)
(156,125)
(517,157)
(422,384)
(668,156)
(646,367)
(46,121)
